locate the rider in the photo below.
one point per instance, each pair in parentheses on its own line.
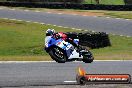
(58,35)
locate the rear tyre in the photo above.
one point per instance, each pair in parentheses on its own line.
(58,55)
(81,80)
(88,57)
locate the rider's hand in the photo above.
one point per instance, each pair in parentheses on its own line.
(70,39)
(56,36)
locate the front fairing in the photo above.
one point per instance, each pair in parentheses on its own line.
(49,41)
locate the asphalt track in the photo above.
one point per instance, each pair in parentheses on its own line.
(99,24)
(52,73)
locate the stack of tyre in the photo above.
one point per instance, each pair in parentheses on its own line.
(90,39)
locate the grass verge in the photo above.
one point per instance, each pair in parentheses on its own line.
(106,2)
(22,41)
(120,14)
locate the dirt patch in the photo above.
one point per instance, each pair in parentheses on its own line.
(4,22)
(71,12)
(25,58)
(113,57)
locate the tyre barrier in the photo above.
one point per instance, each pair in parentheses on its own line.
(91,40)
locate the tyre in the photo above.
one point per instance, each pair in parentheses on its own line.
(57,54)
(81,80)
(88,57)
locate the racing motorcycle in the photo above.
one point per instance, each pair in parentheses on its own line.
(62,51)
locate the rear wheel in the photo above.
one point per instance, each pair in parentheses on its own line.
(58,55)
(88,57)
(88,60)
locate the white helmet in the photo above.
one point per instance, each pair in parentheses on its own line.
(50,32)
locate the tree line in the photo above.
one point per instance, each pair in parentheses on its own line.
(63,1)
(72,1)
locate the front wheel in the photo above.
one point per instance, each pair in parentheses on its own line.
(58,55)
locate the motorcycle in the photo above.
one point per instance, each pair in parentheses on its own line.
(62,51)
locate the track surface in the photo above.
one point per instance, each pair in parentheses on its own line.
(100,24)
(52,73)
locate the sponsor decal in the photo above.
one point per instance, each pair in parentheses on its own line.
(83,78)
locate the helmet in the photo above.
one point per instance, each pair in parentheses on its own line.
(50,32)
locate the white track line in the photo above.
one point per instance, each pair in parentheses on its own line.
(60,13)
(113,34)
(56,62)
(84,15)
(12,9)
(13,19)
(117,18)
(5,18)
(42,23)
(54,25)
(27,61)
(36,22)
(74,14)
(121,35)
(19,20)
(60,26)
(128,36)
(28,21)
(107,17)
(95,16)
(78,29)
(127,19)
(66,27)
(70,81)
(26,10)
(110,60)
(73,28)
(48,12)
(37,11)
(48,24)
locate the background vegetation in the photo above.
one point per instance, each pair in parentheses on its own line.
(106,2)
(25,41)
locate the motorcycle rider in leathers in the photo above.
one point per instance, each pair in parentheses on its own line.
(58,35)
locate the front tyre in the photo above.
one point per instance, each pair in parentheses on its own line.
(57,54)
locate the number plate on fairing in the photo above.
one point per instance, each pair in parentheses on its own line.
(64,45)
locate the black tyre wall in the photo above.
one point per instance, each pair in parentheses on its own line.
(92,40)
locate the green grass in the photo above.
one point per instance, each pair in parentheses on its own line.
(25,41)
(106,2)
(121,48)
(120,14)
(21,38)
